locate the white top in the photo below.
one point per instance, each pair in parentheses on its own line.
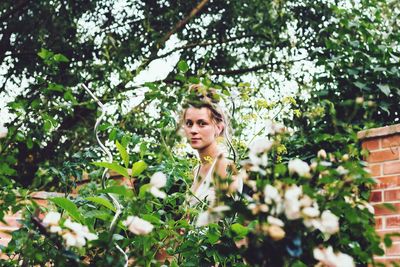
(205,191)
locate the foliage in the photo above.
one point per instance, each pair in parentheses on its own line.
(338,61)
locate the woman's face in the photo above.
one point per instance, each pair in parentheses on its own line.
(200,130)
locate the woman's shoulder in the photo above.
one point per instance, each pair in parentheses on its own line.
(225,166)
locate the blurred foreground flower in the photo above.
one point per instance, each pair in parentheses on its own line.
(79,234)
(3,132)
(157,181)
(300,167)
(327,258)
(211,215)
(138,226)
(52,219)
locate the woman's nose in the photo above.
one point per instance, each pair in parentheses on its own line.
(194,129)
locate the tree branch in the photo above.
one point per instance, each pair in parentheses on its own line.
(184,21)
(240,71)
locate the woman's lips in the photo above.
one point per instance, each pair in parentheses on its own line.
(195,139)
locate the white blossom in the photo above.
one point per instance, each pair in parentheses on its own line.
(55,229)
(158,180)
(79,234)
(322,154)
(51,218)
(157,192)
(273,128)
(3,132)
(292,203)
(275,221)
(298,166)
(260,145)
(327,257)
(311,212)
(329,223)
(271,194)
(137,225)
(211,215)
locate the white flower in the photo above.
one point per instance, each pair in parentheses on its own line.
(79,234)
(55,229)
(271,194)
(328,258)
(273,128)
(329,223)
(298,166)
(311,212)
(51,218)
(292,203)
(138,226)
(157,192)
(275,221)
(366,205)
(158,180)
(3,132)
(203,219)
(260,145)
(72,240)
(211,215)
(322,154)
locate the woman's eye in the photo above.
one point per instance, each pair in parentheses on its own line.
(202,123)
(189,123)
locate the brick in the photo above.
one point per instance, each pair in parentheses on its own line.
(391,167)
(376,196)
(391,141)
(378,223)
(382,210)
(394,250)
(383,155)
(388,182)
(384,232)
(376,170)
(392,195)
(371,144)
(393,222)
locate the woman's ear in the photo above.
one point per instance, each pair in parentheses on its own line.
(220,128)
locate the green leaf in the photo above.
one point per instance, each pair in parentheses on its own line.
(45,54)
(113,166)
(98,214)
(183,66)
(123,153)
(68,206)
(60,58)
(384,89)
(68,96)
(47,125)
(151,218)
(239,229)
(119,190)
(102,201)
(138,168)
(360,85)
(143,189)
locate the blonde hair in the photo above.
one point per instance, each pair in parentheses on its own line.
(203,97)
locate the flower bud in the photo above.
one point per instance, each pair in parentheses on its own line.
(322,154)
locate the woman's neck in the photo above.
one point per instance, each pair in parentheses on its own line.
(208,152)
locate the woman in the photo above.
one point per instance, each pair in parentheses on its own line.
(204,123)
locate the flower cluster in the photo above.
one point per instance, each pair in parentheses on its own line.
(73,233)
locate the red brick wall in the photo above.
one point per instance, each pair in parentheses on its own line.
(383,160)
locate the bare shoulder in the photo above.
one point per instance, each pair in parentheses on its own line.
(225,166)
